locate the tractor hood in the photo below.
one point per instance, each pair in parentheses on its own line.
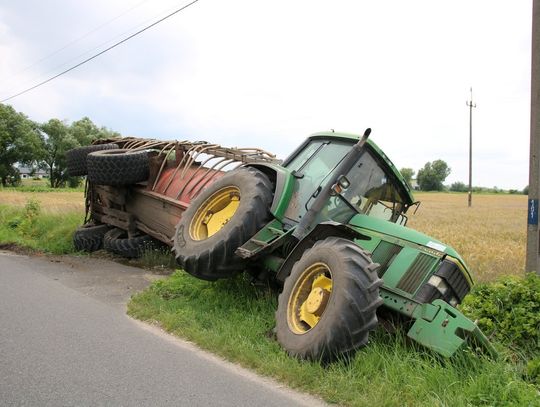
(379,226)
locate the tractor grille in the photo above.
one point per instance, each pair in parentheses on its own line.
(453,289)
(416,273)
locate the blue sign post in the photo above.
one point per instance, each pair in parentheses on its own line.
(533,212)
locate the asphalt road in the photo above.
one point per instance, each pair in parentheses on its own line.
(65,340)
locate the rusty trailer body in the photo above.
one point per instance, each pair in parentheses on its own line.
(178,172)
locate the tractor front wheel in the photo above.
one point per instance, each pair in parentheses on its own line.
(329,302)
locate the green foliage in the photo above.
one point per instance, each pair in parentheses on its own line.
(407,173)
(19,142)
(526,190)
(59,137)
(31,228)
(458,187)
(432,176)
(509,311)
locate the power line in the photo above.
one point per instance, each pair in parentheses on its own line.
(76,40)
(99,53)
(88,52)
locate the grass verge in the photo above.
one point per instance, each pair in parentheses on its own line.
(28,227)
(235,320)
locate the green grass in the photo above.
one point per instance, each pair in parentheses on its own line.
(29,228)
(235,320)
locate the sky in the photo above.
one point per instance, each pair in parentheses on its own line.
(269,73)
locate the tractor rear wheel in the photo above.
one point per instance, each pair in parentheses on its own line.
(329,301)
(219,220)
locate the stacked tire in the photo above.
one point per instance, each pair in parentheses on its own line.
(76,158)
(89,237)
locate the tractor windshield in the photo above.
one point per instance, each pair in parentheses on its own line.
(371,191)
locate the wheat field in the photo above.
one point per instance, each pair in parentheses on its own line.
(490,236)
(50,202)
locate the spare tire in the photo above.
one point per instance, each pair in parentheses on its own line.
(76,158)
(219,220)
(117,167)
(117,241)
(89,237)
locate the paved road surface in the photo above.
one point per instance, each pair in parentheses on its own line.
(65,341)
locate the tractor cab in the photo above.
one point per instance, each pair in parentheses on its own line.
(372,186)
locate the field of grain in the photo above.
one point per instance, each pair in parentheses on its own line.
(490,236)
(50,202)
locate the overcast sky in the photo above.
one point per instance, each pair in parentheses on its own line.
(268,73)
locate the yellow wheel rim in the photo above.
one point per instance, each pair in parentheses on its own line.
(214,213)
(309,298)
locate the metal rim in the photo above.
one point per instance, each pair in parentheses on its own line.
(215,213)
(309,298)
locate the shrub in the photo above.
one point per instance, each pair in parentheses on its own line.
(509,311)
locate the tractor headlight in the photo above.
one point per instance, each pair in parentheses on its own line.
(439,284)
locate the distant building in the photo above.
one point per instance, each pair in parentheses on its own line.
(28,172)
(414,185)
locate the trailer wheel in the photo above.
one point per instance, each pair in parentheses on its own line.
(117,167)
(221,219)
(117,241)
(89,237)
(76,158)
(329,301)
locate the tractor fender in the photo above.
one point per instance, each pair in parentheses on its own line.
(320,232)
(282,181)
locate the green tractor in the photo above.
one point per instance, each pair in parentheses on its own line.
(335,236)
(328,224)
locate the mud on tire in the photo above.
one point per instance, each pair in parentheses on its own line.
(117,167)
(347,314)
(76,158)
(212,257)
(89,237)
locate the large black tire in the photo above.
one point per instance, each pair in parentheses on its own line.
(76,158)
(346,311)
(117,167)
(212,257)
(117,241)
(89,237)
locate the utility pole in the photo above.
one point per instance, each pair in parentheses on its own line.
(533,241)
(471,105)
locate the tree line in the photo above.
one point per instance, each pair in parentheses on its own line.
(42,146)
(432,176)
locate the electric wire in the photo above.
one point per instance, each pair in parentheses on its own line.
(99,53)
(76,40)
(71,60)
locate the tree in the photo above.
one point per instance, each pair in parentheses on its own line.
(432,176)
(57,140)
(85,131)
(59,137)
(407,173)
(19,142)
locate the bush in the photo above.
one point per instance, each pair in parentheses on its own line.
(509,311)
(459,187)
